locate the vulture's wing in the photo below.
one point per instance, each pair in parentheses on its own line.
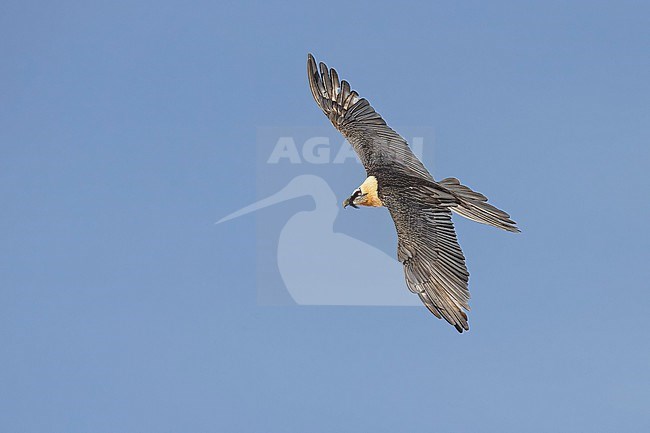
(375,142)
(434,265)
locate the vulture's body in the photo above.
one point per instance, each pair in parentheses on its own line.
(421,208)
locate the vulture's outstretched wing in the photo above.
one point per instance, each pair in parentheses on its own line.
(375,142)
(434,264)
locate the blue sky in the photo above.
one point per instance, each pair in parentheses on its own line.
(127,129)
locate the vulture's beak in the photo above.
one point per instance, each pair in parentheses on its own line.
(349,202)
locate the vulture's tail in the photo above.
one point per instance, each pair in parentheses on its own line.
(473,205)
